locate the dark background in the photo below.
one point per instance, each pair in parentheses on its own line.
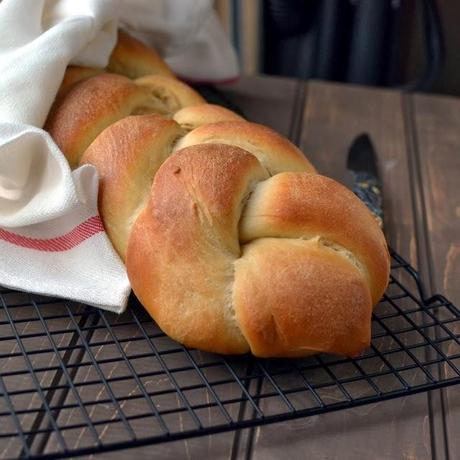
(410,44)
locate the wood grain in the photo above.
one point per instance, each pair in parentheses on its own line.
(436,126)
(33,318)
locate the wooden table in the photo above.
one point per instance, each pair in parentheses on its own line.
(417,138)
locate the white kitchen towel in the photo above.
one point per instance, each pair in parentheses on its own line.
(51,237)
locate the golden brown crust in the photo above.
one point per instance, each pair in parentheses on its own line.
(130,58)
(92,104)
(275,152)
(127,155)
(291,205)
(173,94)
(288,304)
(133,59)
(196,115)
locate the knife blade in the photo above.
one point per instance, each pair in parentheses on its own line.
(362,162)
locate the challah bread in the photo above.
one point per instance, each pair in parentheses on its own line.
(232,241)
(128,153)
(228,259)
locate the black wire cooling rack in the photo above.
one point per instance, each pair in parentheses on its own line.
(76,380)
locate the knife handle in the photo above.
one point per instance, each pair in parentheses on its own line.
(367,189)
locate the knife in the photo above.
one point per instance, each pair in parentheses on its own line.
(362,162)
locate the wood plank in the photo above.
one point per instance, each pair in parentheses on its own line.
(436,124)
(334,115)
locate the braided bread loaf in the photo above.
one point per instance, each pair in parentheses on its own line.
(232,241)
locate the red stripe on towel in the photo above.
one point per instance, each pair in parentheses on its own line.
(80,233)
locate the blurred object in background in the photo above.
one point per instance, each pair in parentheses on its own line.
(187,33)
(410,44)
